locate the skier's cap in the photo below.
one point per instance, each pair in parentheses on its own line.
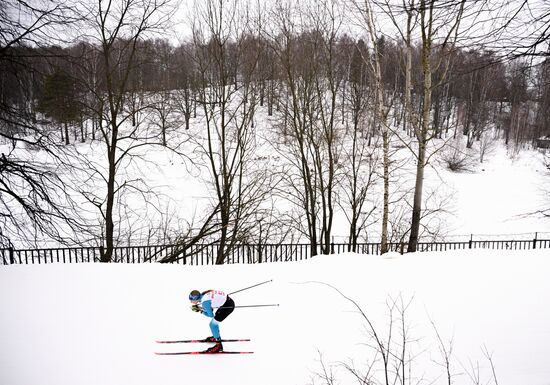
(195,295)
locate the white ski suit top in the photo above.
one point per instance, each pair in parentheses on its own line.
(211,300)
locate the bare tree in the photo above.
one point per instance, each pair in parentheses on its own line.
(163,110)
(519,28)
(117,29)
(298,113)
(359,178)
(313,74)
(228,100)
(446,354)
(328,83)
(438,25)
(475,92)
(382,110)
(186,82)
(34,201)
(360,159)
(392,356)
(430,20)
(393,352)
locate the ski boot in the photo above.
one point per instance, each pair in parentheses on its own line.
(216,348)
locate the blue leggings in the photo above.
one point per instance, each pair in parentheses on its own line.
(221,314)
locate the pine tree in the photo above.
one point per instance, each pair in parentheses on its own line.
(59,100)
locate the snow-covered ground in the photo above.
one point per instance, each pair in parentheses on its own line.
(96,324)
(500,196)
(497,197)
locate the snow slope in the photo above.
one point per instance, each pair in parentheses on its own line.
(497,197)
(96,324)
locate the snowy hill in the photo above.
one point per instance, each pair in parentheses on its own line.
(498,197)
(96,324)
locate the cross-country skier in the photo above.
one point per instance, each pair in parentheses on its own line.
(217,305)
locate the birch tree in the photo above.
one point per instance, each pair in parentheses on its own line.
(381,110)
(438,25)
(432,18)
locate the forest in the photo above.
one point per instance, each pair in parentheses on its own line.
(338,90)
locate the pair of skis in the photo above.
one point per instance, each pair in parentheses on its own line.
(201,352)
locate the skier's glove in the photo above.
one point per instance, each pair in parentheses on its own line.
(196,308)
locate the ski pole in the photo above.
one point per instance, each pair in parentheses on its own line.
(274,304)
(250,287)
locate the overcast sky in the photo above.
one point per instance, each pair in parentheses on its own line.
(492,24)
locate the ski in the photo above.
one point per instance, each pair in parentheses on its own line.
(201,341)
(204,352)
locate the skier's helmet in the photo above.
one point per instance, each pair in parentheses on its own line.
(195,295)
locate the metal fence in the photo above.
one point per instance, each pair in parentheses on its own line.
(243,253)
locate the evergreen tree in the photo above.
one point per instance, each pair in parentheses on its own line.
(59,100)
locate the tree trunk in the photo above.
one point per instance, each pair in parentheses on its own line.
(66,133)
(220,257)
(417,200)
(382,117)
(386,198)
(422,137)
(109,222)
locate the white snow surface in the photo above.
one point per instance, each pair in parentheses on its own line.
(96,324)
(500,198)
(499,195)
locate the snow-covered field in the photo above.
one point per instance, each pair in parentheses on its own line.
(498,197)
(96,324)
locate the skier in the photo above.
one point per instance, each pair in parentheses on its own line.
(210,300)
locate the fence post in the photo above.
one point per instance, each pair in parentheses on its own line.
(535,241)
(12,258)
(260,244)
(470,241)
(259,253)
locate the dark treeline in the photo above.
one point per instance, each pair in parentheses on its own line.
(481,91)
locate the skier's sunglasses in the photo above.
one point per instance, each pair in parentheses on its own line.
(194,297)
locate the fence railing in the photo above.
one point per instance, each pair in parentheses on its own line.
(243,253)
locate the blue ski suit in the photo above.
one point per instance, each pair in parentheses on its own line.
(216,305)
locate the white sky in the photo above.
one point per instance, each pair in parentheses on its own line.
(482,24)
